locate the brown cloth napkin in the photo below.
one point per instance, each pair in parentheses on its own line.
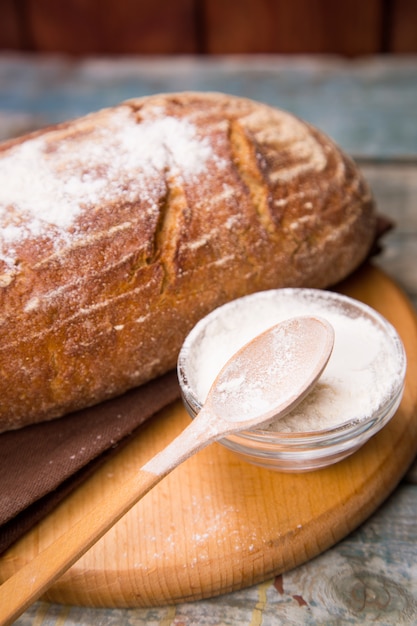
(42,463)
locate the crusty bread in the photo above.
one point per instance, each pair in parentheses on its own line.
(121,229)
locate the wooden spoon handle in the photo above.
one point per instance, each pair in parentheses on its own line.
(33,579)
(25,586)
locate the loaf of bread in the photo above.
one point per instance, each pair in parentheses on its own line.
(121,229)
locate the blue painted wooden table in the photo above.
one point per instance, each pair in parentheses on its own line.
(370,108)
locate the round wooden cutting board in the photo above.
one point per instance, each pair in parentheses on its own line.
(217,524)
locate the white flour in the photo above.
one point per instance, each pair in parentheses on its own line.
(359,378)
(255,382)
(47,184)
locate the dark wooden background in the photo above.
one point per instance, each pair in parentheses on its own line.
(346,27)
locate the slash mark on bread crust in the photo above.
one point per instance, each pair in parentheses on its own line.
(168,232)
(245,161)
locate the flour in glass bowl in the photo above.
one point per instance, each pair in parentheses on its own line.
(359,378)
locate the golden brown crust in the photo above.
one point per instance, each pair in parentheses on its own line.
(120,230)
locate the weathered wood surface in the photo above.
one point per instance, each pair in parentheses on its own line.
(367,106)
(370,109)
(349,27)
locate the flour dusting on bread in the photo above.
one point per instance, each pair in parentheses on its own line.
(47,182)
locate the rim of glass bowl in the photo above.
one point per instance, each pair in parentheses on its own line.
(344,432)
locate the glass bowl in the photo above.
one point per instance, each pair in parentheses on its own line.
(294,444)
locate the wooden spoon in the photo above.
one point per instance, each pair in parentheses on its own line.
(262,381)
